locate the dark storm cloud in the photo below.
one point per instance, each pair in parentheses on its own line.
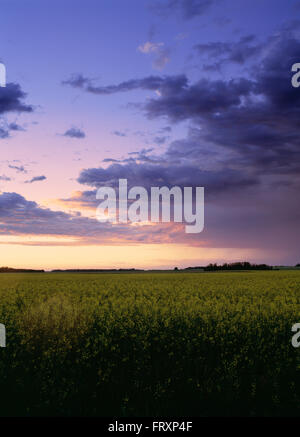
(74,133)
(243,146)
(202,98)
(236,226)
(207,98)
(257,118)
(11,99)
(147,175)
(265,128)
(238,52)
(273,75)
(36,179)
(254,119)
(180,100)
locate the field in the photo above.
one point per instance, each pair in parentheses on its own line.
(150,344)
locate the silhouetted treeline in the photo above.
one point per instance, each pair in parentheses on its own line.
(12,270)
(245,265)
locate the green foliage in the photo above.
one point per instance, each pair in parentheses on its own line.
(142,344)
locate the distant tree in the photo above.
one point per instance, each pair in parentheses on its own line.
(245,265)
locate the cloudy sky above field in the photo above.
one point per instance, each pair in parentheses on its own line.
(162,92)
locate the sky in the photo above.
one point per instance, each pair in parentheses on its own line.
(161,92)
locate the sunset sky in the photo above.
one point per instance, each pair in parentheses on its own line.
(162,93)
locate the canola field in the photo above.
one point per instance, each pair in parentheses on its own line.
(150,344)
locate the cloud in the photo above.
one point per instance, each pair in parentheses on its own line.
(77,81)
(242,145)
(141,152)
(252,119)
(151,83)
(240,227)
(119,133)
(150,47)
(5,178)
(11,99)
(238,52)
(179,100)
(162,54)
(19,169)
(20,217)
(162,174)
(239,205)
(4,133)
(74,133)
(139,156)
(36,179)
(7,128)
(15,127)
